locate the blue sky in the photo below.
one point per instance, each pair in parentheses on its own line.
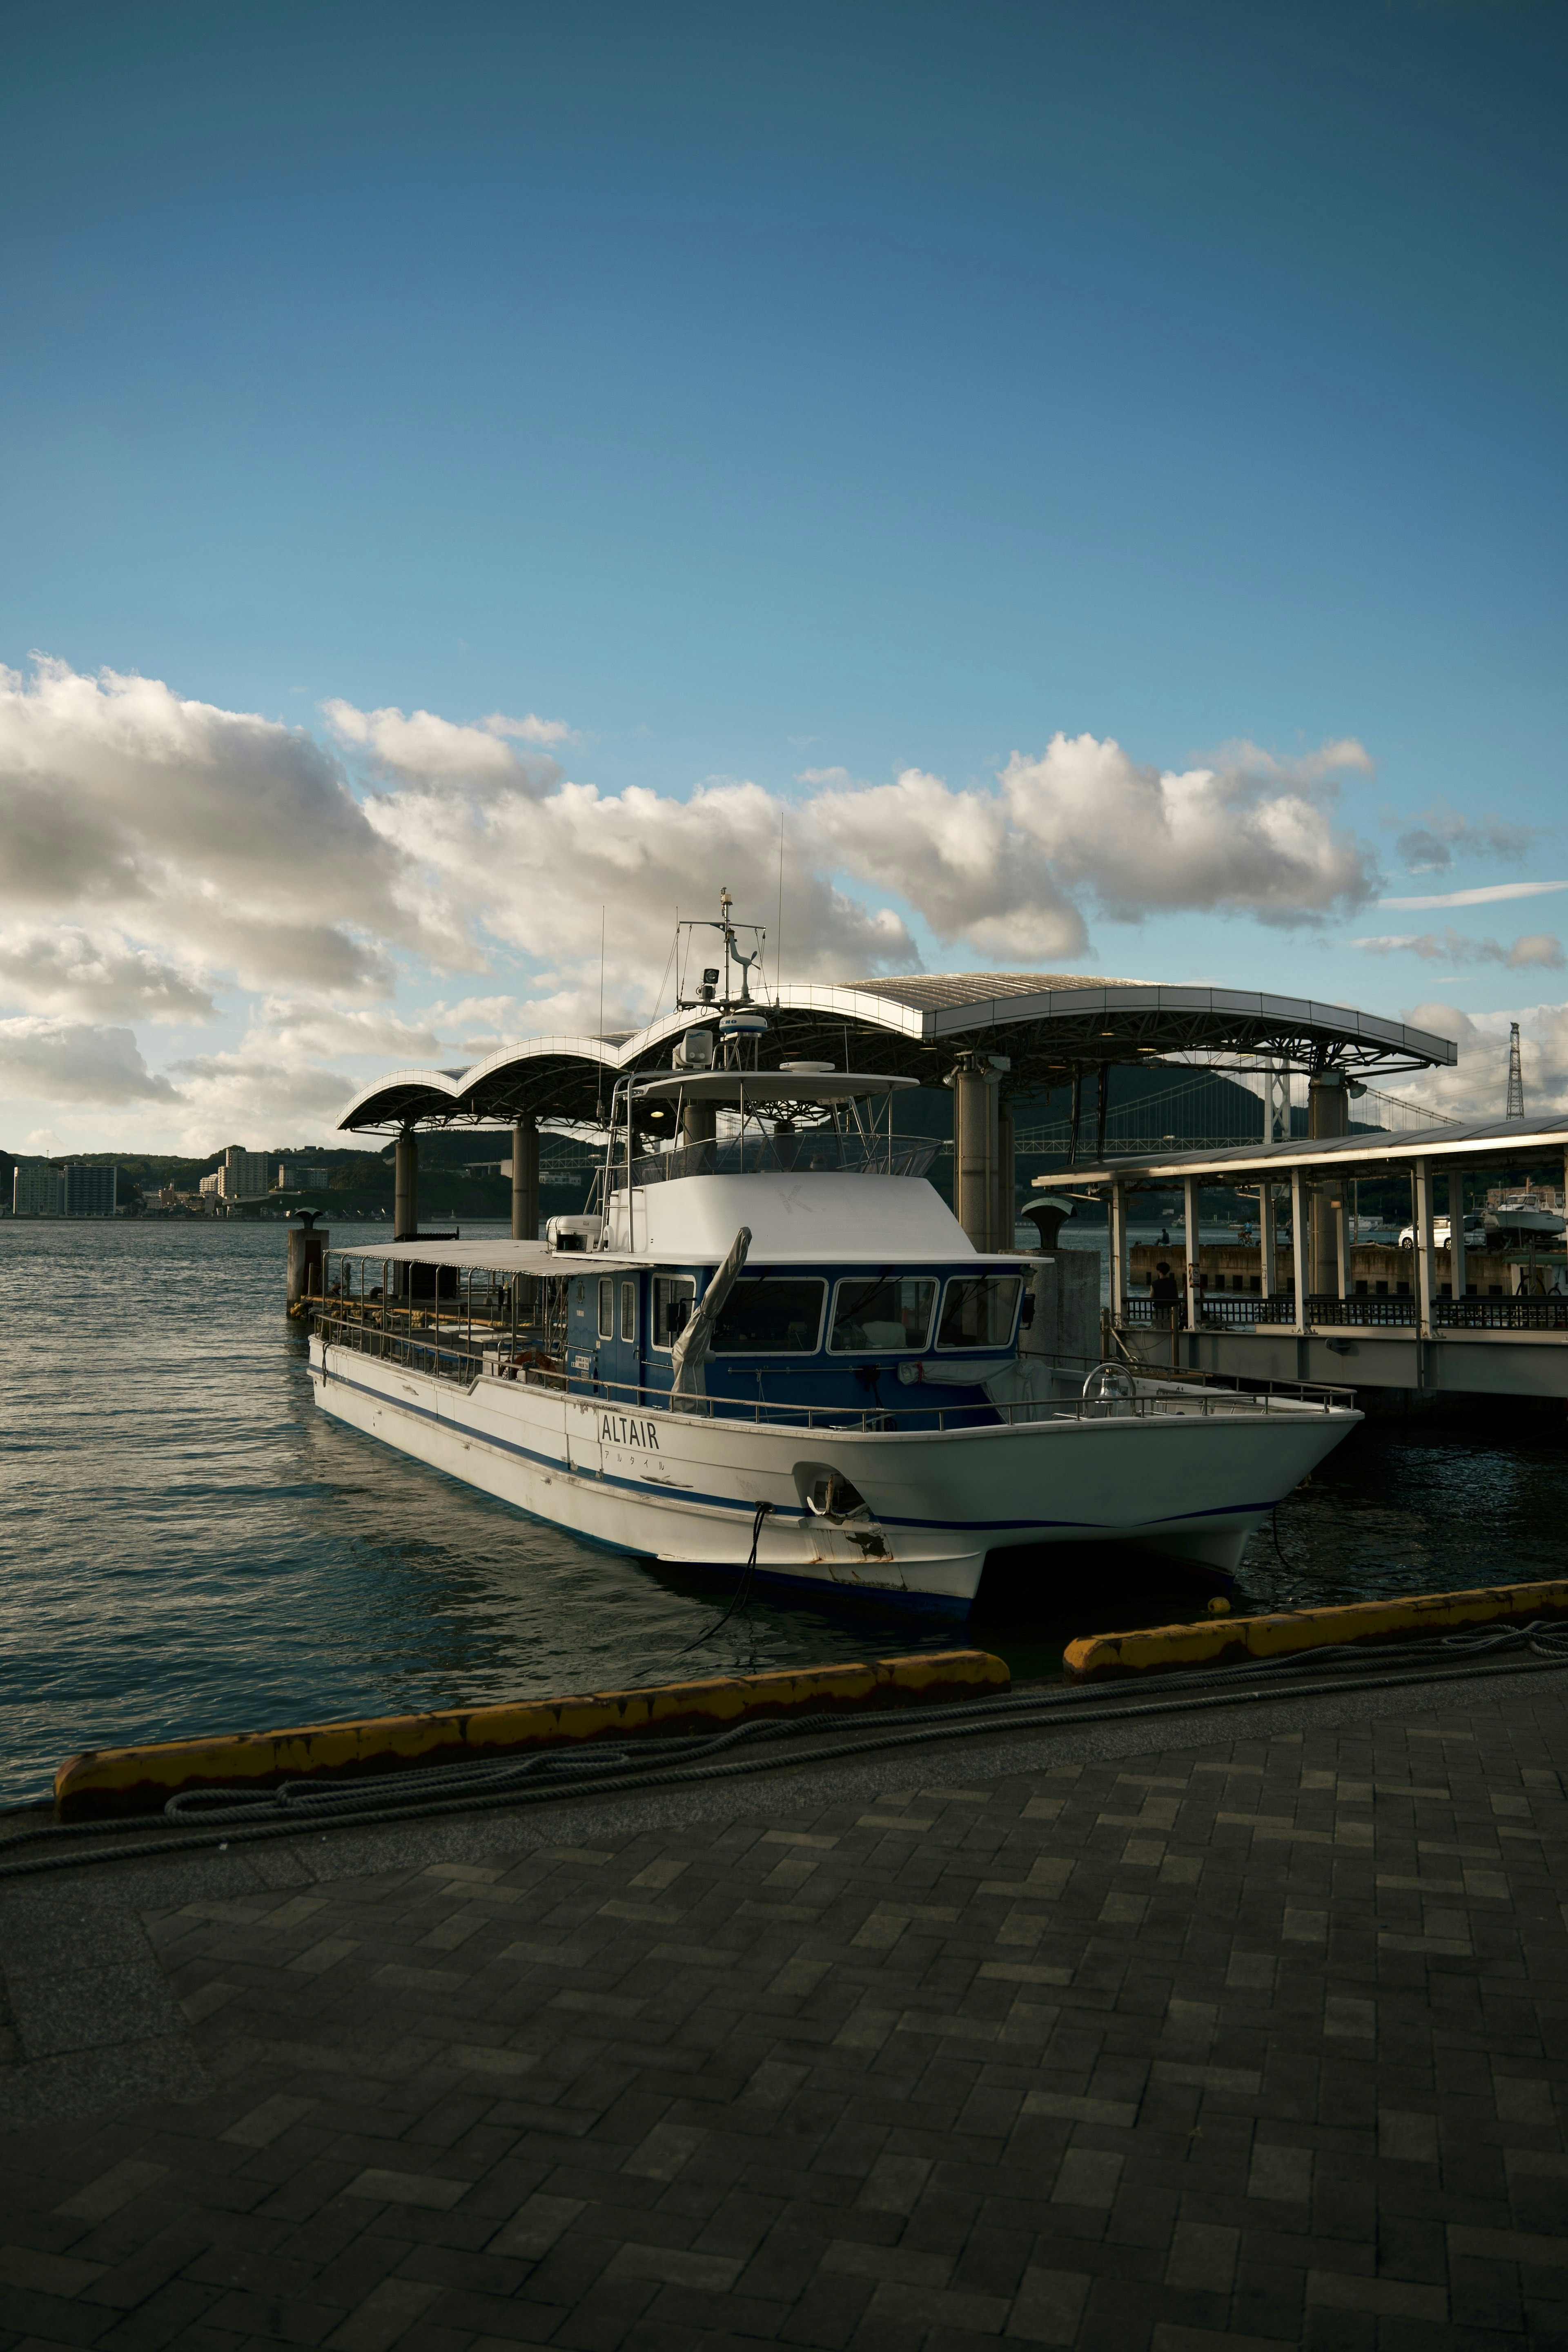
(794,398)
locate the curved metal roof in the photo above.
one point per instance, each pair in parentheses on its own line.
(1047,1024)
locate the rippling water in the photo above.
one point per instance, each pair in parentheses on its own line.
(190,1545)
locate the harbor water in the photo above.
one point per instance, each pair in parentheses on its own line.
(190,1547)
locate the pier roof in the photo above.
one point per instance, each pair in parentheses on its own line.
(1488,1144)
(1046,1025)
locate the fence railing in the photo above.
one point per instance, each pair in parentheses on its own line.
(1220,1314)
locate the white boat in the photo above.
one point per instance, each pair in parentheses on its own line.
(1524,1214)
(776,1351)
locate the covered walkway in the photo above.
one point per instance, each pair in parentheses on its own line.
(1455,1329)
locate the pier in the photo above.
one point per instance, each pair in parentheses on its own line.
(1461,1320)
(1165,2035)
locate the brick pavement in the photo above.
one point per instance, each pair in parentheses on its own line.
(1253,2040)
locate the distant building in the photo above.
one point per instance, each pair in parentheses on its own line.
(244,1176)
(90,1191)
(37,1189)
(303,1176)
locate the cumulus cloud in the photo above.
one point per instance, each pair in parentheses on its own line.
(161,859)
(1542,949)
(218,833)
(536,873)
(1476,1088)
(433,751)
(1442,834)
(252,1095)
(1011,871)
(63,969)
(45,1060)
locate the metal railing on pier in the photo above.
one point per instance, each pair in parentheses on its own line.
(1219,1313)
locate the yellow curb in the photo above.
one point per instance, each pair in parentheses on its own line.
(1230,1640)
(141,1779)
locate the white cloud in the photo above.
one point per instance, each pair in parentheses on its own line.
(46,1060)
(1489,893)
(1431,846)
(1010,871)
(1541,949)
(254,1096)
(431,751)
(1476,1088)
(63,969)
(162,859)
(529,730)
(207,835)
(536,875)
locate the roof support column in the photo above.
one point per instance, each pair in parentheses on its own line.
(405,1187)
(1328,1110)
(525,1178)
(1459,1273)
(1006,1168)
(1267,1239)
(1344,1238)
(973,1110)
(1426,1285)
(1194,1252)
(1299,1211)
(1119,1277)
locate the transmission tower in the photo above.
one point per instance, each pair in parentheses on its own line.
(1515,1075)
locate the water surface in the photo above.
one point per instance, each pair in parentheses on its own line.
(190,1545)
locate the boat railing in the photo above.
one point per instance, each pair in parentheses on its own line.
(527,1360)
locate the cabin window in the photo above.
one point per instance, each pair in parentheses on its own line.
(882,1311)
(978,1310)
(770,1315)
(628,1311)
(606,1307)
(673,1295)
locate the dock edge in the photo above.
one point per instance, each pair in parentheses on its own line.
(1231,1641)
(119,1781)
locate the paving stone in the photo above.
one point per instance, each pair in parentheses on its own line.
(1254,2039)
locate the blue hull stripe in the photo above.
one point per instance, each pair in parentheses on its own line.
(652,1486)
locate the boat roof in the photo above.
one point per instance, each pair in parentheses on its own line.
(538,1257)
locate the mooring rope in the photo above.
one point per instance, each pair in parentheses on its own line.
(212,1817)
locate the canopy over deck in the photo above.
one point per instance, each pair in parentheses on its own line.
(1497,1144)
(1045,1026)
